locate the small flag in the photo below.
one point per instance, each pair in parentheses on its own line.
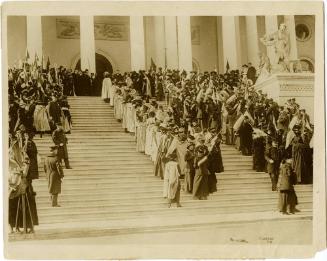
(227,67)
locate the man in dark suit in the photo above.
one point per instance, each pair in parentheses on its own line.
(54,112)
(273,158)
(60,140)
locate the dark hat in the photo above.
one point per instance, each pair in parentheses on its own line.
(53,147)
(190,145)
(201,149)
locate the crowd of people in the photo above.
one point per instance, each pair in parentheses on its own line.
(37,105)
(180,119)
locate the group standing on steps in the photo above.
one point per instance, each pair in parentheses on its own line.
(182,130)
(179,120)
(37,104)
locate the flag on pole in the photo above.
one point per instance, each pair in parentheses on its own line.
(48,64)
(227,67)
(27,57)
(36,60)
(153,65)
(42,59)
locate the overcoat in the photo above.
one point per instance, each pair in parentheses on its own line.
(272,153)
(54,174)
(31,151)
(55,111)
(58,137)
(200,185)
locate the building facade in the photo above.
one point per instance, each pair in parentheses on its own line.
(122,43)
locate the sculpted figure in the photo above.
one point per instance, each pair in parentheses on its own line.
(280,40)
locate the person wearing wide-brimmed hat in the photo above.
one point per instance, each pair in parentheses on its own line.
(54,174)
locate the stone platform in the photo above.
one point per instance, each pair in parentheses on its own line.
(283,86)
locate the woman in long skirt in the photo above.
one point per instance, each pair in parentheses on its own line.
(200,185)
(189,174)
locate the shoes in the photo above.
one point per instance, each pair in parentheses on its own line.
(69,167)
(56,206)
(179,205)
(285,213)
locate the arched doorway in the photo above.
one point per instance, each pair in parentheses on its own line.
(102,65)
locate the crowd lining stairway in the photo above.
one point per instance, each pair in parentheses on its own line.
(111,182)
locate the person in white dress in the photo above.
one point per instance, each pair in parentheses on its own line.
(107,89)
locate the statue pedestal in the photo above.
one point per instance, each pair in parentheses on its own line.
(283,86)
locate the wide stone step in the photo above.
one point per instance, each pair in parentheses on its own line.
(150,193)
(43,201)
(109,183)
(162,203)
(158,187)
(97,146)
(98,132)
(88,138)
(92,143)
(113,165)
(108,154)
(52,216)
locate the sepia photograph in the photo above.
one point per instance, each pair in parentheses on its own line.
(137,130)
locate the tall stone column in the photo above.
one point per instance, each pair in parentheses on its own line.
(34,37)
(171,49)
(290,23)
(252,39)
(230,46)
(87,43)
(184,43)
(159,41)
(137,43)
(271,23)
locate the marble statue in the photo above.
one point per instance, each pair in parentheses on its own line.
(280,40)
(264,70)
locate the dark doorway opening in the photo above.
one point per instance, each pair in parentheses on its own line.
(101,65)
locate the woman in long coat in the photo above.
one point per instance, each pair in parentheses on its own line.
(54,174)
(215,165)
(190,170)
(287,195)
(200,185)
(300,164)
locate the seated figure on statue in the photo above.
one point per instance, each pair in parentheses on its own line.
(280,40)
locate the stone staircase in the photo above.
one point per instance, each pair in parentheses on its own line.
(111,182)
